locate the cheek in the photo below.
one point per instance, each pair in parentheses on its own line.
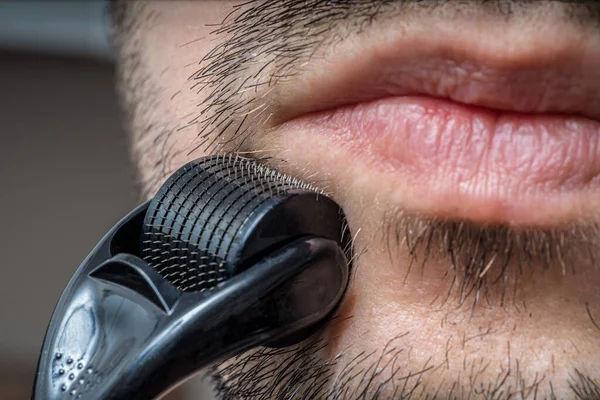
(171,43)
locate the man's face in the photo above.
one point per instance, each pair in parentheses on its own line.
(462,140)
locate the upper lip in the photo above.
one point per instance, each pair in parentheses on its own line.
(551,71)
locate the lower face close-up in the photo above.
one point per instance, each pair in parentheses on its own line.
(462,141)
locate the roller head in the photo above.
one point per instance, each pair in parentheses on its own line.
(216,216)
(127,328)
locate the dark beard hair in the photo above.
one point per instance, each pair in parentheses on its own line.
(302,372)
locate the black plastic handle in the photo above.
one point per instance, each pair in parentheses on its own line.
(122,331)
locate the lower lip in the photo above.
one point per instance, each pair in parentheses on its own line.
(466,162)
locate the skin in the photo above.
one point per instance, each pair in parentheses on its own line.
(419,320)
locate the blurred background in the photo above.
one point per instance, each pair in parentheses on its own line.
(65,172)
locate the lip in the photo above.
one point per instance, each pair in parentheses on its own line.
(532,69)
(494,134)
(458,161)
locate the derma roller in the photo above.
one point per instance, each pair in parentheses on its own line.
(227,256)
